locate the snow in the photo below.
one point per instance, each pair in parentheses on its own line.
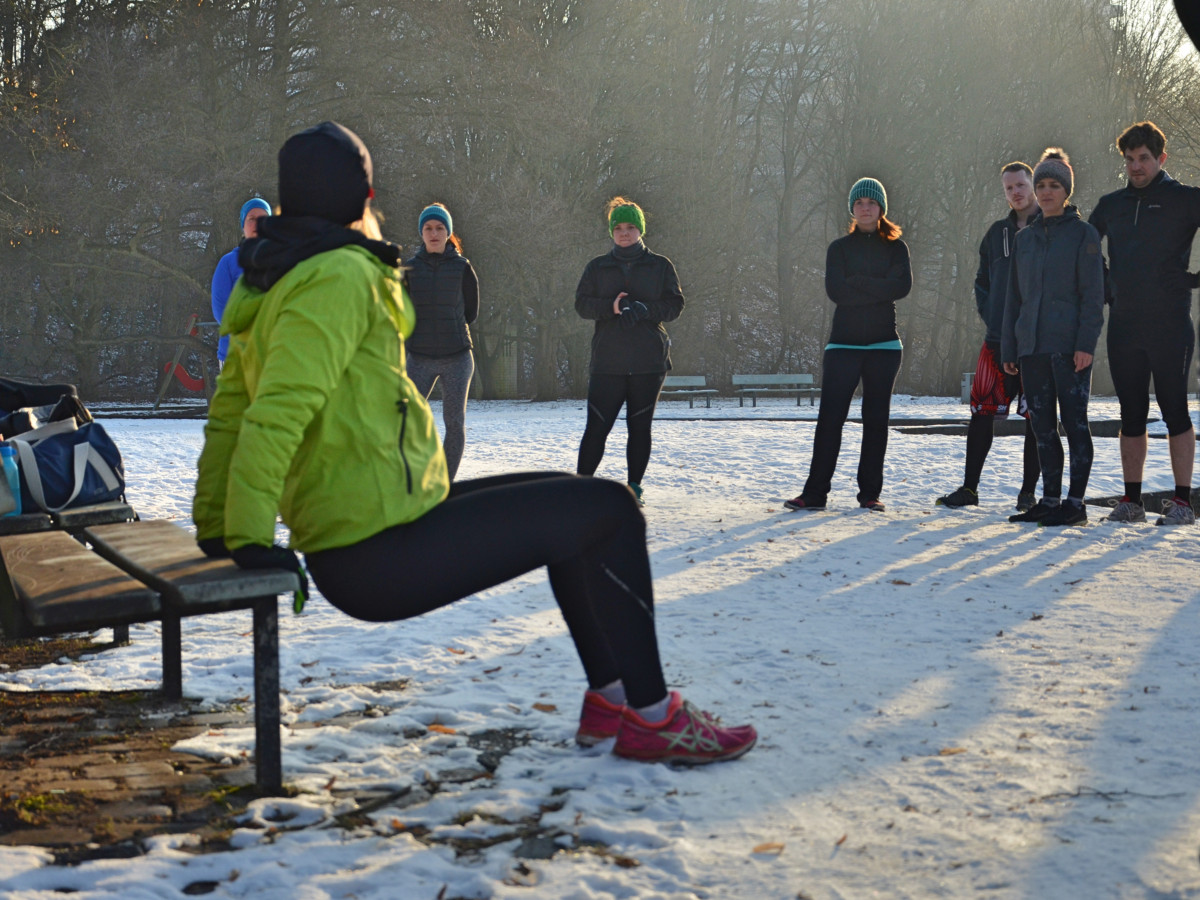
(948,705)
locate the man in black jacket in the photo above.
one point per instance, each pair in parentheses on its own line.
(993,390)
(1150,225)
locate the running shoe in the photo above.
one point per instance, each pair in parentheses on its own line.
(1176,512)
(599,721)
(798,503)
(1064,514)
(1035,513)
(686,737)
(872,505)
(637,492)
(1026,500)
(964,496)
(1127,510)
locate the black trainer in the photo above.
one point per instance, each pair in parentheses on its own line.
(1026,500)
(1065,514)
(799,503)
(964,496)
(1035,513)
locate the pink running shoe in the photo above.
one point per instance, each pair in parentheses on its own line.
(687,736)
(599,721)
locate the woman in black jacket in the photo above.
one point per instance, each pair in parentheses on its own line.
(445,292)
(629,292)
(866,272)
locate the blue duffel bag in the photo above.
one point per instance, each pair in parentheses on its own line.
(67,468)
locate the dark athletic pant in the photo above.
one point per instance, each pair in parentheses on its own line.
(1050,380)
(455,373)
(841,372)
(588,532)
(606,394)
(1167,357)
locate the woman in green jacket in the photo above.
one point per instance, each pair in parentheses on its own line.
(314,418)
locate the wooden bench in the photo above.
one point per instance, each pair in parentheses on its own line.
(689,386)
(144,571)
(753,385)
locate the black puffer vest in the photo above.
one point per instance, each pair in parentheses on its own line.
(435,286)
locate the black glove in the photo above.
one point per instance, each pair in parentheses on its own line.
(214,548)
(256,556)
(638,310)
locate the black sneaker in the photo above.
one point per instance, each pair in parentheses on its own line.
(799,503)
(1035,513)
(1026,500)
(964,496)
(1065,514)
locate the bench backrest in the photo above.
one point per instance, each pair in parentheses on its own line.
(683,381)
(772,380)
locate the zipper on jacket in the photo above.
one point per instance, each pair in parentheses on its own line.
(1006,242)
(402,405)
(1136,210)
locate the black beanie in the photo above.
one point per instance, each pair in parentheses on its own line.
(324,171)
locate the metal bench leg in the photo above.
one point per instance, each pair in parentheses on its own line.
(267,749)
(172,657)
(121,635)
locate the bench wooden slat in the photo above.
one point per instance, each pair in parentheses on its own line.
(25,523)
(751,386)
(166,557)
(62,586)
(689,387)
(95,514)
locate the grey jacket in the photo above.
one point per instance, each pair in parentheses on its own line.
(1055,300)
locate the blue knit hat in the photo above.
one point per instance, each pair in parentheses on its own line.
(255,203)
(871,189)
(438,212)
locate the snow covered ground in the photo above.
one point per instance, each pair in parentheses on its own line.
(949,705)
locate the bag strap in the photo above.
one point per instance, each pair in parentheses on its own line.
(50,429)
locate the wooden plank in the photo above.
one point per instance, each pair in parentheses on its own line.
(165,556)
(684,381)
(95,514)
(25,523)
(62,586)
(776,381)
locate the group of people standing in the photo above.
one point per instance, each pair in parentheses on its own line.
(1041,289)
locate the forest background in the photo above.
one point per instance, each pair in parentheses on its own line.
(131,132)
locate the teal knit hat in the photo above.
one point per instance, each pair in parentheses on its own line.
(630,213)
(437,212)
(872,189)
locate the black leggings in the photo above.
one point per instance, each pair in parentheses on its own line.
(1054,389)
(588,532)
(841,372)
(606,394)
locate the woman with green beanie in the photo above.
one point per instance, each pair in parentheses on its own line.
(866,272)
(445,292)
(629,293)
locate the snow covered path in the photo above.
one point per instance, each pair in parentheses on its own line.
(949,705)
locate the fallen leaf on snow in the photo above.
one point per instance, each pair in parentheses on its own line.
(840,840)
(545,707)
(951,751)
(771,848)
(442,729)
(455,650)
(899,581)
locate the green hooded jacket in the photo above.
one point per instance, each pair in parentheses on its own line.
(314,417)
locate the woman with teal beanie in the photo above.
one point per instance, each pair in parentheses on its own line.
(629,293)
(314,420)
(866,272)
(228,271)
(445,291)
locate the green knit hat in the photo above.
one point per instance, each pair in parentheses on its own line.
(871,189)
(630,213)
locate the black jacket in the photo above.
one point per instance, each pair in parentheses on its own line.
(1149,235)
(445,292)
(1056,293)
(644,348)
(865,276)
(995,265)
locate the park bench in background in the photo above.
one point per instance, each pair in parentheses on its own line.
(753,385)
(689,386)
(143,571)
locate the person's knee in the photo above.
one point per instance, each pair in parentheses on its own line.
(1177,422)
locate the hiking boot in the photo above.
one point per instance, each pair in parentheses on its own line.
(599,721)
(872,505)
(1064,514)
(798,503)
(1035,513)
(686,737)
(1176,512)
(637,492)
(964,496)
(1127,510)
(1026,501)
